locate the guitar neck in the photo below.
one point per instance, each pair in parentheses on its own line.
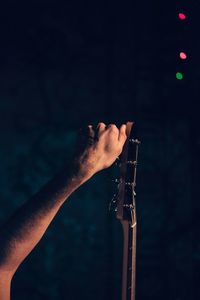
(129,261)
(126,211)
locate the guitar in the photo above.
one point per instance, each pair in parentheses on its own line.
(124,203)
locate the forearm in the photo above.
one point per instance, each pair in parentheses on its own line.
(26,227)
(5,282)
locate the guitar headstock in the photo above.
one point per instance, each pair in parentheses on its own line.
(124,200)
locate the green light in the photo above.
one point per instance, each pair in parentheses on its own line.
(179,76)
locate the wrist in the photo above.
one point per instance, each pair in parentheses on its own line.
(80,173)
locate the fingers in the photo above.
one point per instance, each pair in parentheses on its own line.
(101,126)
(85,137)
(91,132)
(113,128)
(122,134)
(90,135)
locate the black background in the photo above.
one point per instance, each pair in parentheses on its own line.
(65,64)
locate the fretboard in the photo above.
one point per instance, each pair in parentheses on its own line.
(129,261)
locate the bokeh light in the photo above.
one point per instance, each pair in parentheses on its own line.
(182,16)
(179,76)
(183,55)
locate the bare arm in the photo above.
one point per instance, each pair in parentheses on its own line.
(24,230)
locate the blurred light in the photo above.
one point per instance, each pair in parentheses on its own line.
(183,55)
(179,76)
(182,16)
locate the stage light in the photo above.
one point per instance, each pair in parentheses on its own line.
(183,55)
(179,76)
(182,16)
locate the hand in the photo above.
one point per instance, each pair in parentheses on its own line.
(99,149)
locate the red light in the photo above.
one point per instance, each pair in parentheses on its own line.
(182,16)
(183,55)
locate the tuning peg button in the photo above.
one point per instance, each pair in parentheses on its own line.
(129,183)
(132,162)
(114,199)
(116,180)
(134,141)
(113,203)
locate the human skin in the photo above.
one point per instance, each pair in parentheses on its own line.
(22,232)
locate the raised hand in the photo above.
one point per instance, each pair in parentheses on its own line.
(99,148)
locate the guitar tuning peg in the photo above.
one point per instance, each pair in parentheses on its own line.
(132,162)
(113,203)
(134,141)
(132,185)
(116,180)
(129,183)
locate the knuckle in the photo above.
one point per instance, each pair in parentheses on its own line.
(113,127)
(101,124)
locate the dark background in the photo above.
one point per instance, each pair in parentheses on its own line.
(65,64)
